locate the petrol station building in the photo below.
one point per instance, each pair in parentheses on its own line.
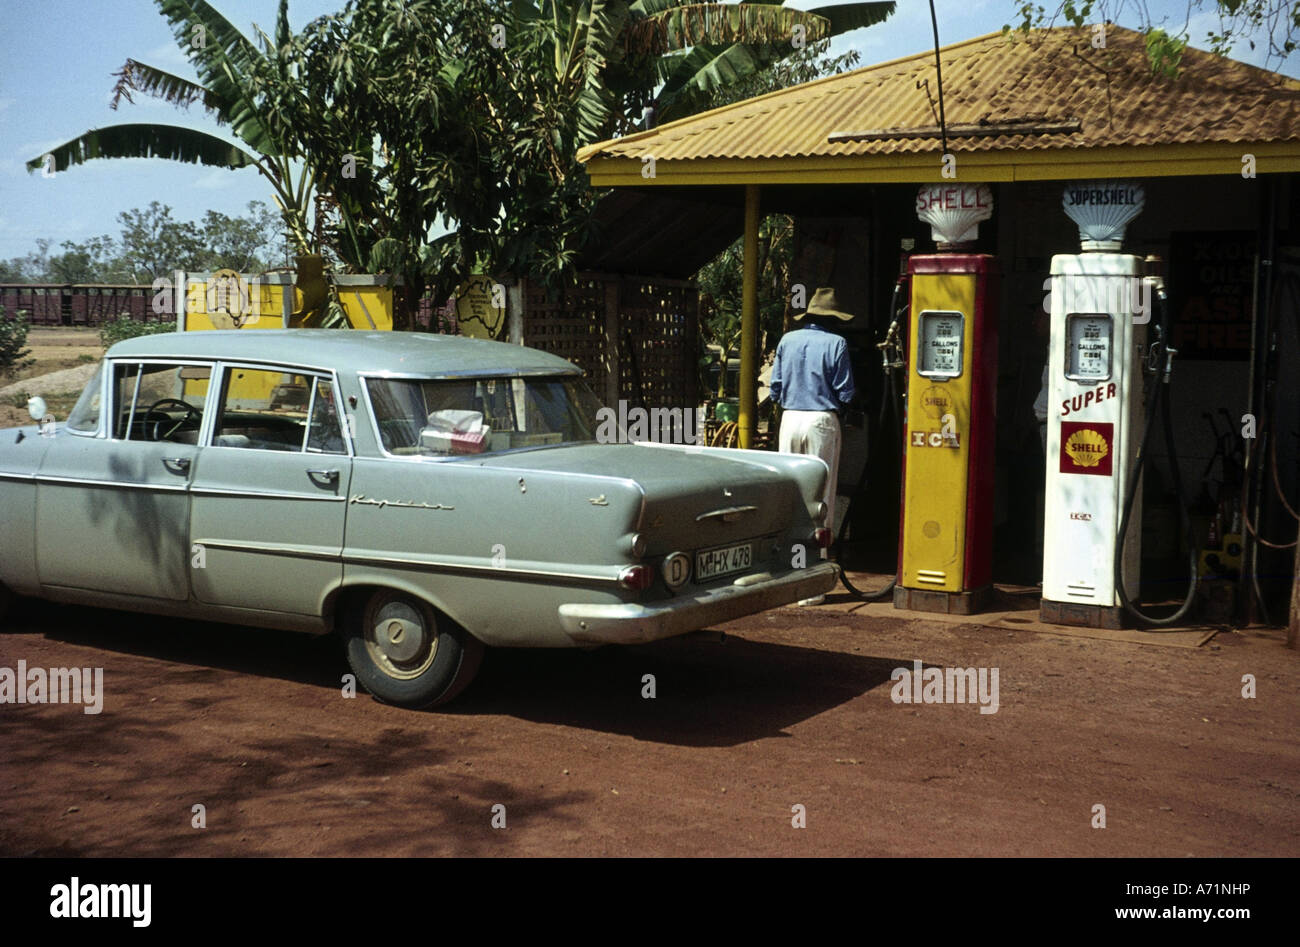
(1216,152)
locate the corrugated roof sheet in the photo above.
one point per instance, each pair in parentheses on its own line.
(1054,74)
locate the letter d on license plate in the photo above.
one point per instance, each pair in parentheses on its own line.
(711,563)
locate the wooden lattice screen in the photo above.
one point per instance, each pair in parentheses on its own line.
(635,337)
(570,325)
(657,321)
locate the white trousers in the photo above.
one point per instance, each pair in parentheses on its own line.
(816,433)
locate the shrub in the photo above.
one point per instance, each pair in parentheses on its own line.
(13,336)
(124,327)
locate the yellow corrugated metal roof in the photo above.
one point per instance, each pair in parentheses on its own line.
(1124,111)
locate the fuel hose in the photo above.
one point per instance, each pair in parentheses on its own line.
(889,400)
(1159,399)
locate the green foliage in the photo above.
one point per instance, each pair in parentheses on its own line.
(13,336)
(417,119)
(1275,22)
(225,60)
(421,116)
(720,280)
(124,327)
(1164,52)
(152,243)
(614,60)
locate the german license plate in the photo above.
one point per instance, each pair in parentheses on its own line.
(711,563)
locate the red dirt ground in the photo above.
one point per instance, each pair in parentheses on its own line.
(793,708)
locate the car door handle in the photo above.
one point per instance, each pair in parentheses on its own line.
(330,477)
(177,465)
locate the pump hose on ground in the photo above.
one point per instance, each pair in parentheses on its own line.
(889,399)
(1160,394)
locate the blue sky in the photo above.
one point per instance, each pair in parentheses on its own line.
(56,82)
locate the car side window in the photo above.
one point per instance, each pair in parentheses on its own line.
(325,434)
(280,410)
(159,401)
(84,417)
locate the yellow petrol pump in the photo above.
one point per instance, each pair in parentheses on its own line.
(946,530)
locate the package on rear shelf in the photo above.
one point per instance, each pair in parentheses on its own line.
(455,432)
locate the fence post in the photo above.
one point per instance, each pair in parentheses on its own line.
(610,361)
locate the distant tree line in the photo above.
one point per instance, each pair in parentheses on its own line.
(153,243)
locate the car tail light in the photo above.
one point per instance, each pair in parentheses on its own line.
(638,578)
(822,537)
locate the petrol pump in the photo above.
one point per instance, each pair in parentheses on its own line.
(946,530)
(1100,305)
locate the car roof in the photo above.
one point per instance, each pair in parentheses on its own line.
(350,350)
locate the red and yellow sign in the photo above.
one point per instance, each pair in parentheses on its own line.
(1087,447)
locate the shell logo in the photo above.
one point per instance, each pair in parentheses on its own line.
(1087,448)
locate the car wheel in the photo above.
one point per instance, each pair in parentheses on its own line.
(405,653)
(6,600)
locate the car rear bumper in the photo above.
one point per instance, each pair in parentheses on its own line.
(631,623)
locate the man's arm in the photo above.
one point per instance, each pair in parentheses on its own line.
(774,383)
(842,375)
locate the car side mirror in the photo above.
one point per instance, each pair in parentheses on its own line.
(37,409)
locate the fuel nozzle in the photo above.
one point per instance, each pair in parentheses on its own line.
(1160,350)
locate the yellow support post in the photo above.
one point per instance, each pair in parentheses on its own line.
(749,324)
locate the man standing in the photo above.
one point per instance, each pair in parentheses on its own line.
(812,381)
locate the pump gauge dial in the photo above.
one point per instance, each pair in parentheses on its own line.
(941,337)
(1088,347)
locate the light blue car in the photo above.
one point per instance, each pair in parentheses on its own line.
(421,495)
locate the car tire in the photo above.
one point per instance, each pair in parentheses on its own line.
(407,654)
(6,601)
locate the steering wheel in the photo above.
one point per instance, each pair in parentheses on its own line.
(156,432)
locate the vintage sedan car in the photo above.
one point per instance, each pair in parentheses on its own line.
(421,495)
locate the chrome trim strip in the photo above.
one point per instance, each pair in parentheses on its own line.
(263,494)
(123,484)
(15,475)
(273,549)
(727,514)
(250,360)
(430,565)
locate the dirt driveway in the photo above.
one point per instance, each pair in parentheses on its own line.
(793,709)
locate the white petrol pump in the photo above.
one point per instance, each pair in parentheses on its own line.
(1100,305)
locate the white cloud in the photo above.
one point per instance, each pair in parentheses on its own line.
(215,179)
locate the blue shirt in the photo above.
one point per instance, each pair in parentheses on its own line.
(812,371)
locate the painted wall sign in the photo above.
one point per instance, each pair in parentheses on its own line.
(1211,278)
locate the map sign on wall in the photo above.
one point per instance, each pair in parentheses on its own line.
(1210,281)
(481,308)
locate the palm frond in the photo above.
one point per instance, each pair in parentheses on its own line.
(147,141)
(715,23)
(140,77)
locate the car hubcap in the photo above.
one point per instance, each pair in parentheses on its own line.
(400,640)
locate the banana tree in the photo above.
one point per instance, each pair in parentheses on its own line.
(617,58)
(225,61)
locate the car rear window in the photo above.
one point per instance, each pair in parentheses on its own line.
(451,417)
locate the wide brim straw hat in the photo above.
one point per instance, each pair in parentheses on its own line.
(824,303)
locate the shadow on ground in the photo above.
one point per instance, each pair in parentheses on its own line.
(706,692)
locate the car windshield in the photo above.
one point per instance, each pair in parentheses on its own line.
(450,417)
